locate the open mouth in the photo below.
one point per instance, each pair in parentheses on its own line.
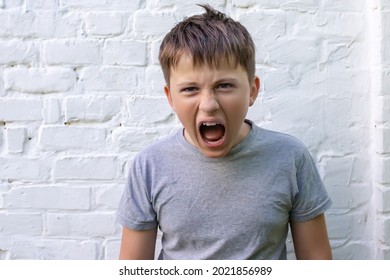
(212,132)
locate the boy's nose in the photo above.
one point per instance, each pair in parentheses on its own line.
(208,102)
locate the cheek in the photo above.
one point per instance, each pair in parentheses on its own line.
(237,106)
(185,113)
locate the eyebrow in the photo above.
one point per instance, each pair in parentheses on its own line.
(227,80)
(186,84)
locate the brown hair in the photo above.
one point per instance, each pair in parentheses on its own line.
(208,38)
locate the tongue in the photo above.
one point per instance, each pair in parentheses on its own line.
(213,133)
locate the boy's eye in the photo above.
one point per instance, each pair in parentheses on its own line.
(189,89)
(224,86)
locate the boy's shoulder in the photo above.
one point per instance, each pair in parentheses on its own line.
(161,146)
(279,145)
(279,140)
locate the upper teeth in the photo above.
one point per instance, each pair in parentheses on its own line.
(209,123)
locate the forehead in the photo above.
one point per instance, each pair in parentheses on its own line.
(186,72)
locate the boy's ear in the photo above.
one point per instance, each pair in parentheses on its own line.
(255,87)
(169,97)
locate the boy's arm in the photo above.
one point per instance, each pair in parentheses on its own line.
(311,239)
(138,244)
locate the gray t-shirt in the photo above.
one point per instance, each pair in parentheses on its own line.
(235,207)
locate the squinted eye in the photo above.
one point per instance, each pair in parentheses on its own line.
(225,86)
(189,89)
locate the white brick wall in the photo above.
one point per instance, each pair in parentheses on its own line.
(81,92)
(381,121)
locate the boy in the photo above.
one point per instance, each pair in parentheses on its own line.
(221,187)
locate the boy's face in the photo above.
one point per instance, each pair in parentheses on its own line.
(211,104)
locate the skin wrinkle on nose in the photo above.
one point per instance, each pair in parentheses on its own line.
(206,100)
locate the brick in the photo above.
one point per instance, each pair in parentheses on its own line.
(48,198)
(67,24)
(383,170)
(108,197)
(4,187)
(92,109)
(83,168)
(37,80)
(41,4)
(344,227)
(4,254)
(95,224)
(385,4)
(385,26)
(382,199)
(133,139)
(361,175)
(186,7)
(52,111)
(82,3)
(353,251)
(382,252)
(12,4)
(343,54)
(17,52)
(1,141)
(148,24)
(73,52)
(338,171)
(385,85)
(27,25)
(154,81)
(124,53)
(105,23)
(16,137)
(244,3)
(139,109)
(292,52)
(302,6)
(154,51)
(352,25)
(383,228)
(158,247)
(358,82)
(382,140)
(2,91)
(20,224)
(28,110)
(344,6)
(48,249)
(349,197)
(313,25)
(24,169)
(65,138)
(343,141)
(264,4)
(382,114)
(109,78)
(264,24)
(189,7)
(111,249)
(385,56)
(101,4)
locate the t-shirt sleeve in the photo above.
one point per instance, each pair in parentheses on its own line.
(135,209)
(311,198)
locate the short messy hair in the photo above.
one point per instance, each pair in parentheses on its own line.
(211,38)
